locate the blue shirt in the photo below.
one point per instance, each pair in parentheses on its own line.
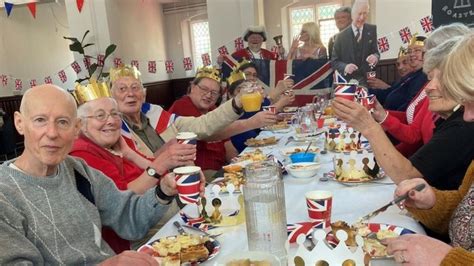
(403,91)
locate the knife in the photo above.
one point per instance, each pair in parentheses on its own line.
(397,200)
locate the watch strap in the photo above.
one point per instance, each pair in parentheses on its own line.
(161,195)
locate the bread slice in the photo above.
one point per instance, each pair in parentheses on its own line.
(194,253)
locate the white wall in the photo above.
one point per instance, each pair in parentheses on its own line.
(34,48)
(392,15)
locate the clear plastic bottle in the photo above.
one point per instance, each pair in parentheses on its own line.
(265,211)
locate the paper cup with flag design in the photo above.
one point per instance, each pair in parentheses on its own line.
(368,102)
(346,91)
(319,203)
(186,138)
(188,182)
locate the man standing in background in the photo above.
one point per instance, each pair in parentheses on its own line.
(343,20)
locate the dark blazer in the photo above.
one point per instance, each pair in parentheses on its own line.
(344,52)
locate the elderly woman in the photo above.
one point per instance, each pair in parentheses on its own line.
(448,153)
(414,127)
(101,146)
(444,211)
(312,47)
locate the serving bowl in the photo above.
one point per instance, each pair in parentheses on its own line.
(301,157)
(303,170)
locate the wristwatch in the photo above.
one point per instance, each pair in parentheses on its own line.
(161,195)
(152,172)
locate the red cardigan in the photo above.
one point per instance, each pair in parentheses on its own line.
(210,155)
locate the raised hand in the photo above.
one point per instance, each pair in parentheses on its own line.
(263,119)
(424,199)
(174,154)
(350,68)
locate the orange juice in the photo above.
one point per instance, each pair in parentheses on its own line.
(251,102)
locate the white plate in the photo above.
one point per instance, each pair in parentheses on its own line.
(252,255)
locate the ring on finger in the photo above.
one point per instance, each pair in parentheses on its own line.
(403,258)
(181,157)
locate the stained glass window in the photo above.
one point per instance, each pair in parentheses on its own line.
(201,41)
(327,24)
(298,17)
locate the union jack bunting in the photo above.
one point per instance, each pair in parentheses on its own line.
(405,34)
(239,43)
(223,50)
(206,59)
(169,66)
(62,76)
(76,67)
(32,83)
(427,24)
(306,228)
(18,84)
(135,63)
(152,66)
(100,60)
(383,44)
(117,61)
(188,65)
(159,119)
(87,62)
(308,75)
(4,80)
(48,80)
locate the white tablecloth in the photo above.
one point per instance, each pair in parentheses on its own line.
(349,203)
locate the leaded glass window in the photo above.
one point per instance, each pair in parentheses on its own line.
(298,17)
(201,41)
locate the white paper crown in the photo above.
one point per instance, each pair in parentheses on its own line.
(322,252)
(342,139)
(355,166)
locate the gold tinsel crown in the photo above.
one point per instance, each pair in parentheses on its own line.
(236,75)
(209,72)
(417,40)
(91,91)
(124,71)
(402,52)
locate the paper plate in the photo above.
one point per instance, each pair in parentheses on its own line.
(249,255)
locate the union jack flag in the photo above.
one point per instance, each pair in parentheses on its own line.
(4,80)
(206,59)
(48,80)
(87,62)
(169,66)
(76,67)
(32,83)
(368,102)
(319,210)
(383,44)
(338,78)
(223,50)
(159,119)
(135,63)
(239,43)
(309,75)
(62,76)
(152,66)
(427,24)
(346,91)
(100,60)
(199,222)
(361,92)
(188,65)
(306,228)
(188,187)
(405,34)
(18,84)
(117,61)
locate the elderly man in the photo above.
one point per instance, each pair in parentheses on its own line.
(53,206)
(255,36)
(343,20)
(147,127)
(355,49)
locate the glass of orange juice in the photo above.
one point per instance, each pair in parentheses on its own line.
(251,100)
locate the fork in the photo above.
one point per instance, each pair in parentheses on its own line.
(182,231)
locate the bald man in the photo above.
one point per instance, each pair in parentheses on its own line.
(50,201)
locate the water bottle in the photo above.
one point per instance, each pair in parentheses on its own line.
(265,212)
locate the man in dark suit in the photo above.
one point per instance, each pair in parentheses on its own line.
(355,49)
(343,19)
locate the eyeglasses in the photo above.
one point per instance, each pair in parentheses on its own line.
(250,74)
(415,50)
(103,116)
(133,88)
(206,91)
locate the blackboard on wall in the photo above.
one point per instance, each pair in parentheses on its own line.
(449,11)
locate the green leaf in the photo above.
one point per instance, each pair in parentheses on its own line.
(92,69)
(71,39)
(105,74)
(87,45)
(76,47)
(110,49)
(85,34)
(81,80)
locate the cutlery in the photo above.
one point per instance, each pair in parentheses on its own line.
(307,148)
(290,139)
(181,227)
(397,200)
(373,235)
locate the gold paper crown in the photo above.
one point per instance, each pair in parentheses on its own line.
(402,52)
(417,40)
(209,72)
(242,63)
(91,91)
(236,75)
(124,71)
(355,166)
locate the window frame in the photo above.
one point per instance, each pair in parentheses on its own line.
(192,43)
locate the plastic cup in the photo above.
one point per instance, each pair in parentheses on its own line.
(320,122)
(319,203)
(188,183)
(270,108)
(186,138)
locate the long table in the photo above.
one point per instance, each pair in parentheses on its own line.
(349,202)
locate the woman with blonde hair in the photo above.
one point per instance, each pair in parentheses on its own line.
(312,47)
